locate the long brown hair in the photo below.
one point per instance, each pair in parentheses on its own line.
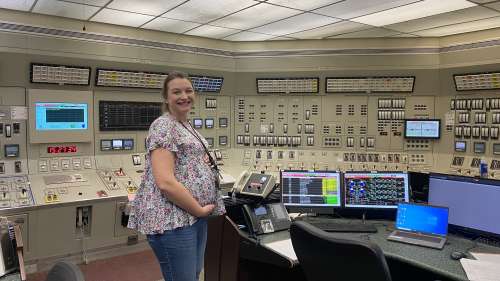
(164,91)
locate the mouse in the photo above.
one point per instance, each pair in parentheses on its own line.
(457,255)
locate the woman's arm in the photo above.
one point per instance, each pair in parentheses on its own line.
(163,163)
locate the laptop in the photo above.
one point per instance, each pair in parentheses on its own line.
(422,225)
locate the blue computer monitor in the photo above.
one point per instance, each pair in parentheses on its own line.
(375,190)
(311,191)
(50,116)
(422,218)
(474,203)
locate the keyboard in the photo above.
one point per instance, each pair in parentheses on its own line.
(333,226)
(417,236)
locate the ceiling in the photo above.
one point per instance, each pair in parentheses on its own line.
(252,20)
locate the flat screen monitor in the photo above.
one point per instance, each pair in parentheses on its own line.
(375,190)
(51,116)
(311,191)
(460,146)
(422,128)
(473,203)
(198,123)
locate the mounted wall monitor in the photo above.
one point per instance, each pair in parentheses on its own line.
(209,123)
(460,146)
(223,122)
(422,129)
(128,144)
(479,147)
(105,145)
(117,144)
(496,148)
(50,116)
(198,123)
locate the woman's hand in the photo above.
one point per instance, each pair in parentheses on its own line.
(205,210)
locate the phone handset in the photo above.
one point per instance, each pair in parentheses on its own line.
(239,184)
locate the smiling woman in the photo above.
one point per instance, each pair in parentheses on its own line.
(178,188)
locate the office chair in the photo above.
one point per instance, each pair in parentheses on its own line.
(65,271)
(323,257)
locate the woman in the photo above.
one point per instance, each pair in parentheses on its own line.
(178,189)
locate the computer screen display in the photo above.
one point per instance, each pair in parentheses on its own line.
(375,190)
(422,218)
(61,116)
(460,146)
(422,128)
(311,190)
(473,203)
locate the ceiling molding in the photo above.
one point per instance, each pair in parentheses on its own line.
(113,39)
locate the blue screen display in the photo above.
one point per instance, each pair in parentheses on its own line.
(61,116)
(422,218)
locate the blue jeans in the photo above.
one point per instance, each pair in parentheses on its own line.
(180,251)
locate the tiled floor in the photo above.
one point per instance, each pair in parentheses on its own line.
(141,266)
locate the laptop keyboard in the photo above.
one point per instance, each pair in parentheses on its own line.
(417,236)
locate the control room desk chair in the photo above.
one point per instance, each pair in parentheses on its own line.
(323,256)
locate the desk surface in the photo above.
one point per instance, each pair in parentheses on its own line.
(433,260)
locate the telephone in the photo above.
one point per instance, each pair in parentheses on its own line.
(254,185)
(266,218)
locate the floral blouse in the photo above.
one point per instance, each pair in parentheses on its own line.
(151,211)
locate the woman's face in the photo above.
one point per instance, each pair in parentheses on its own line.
(180,96)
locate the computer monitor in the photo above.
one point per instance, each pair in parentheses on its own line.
(473,203)
(311,191)
(422,128)
(375,190)
(52,116)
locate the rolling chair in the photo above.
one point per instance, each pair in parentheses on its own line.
(323,257)
(65,271)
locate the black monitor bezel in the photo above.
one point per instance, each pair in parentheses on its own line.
(323,210)
(463,229)
(422,138)
(394,208)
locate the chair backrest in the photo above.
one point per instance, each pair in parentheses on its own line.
(65,271)
(325,257)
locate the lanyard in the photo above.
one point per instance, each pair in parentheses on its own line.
(192,131)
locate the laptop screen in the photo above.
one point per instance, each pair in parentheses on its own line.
(422,218)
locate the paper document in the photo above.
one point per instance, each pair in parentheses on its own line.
(487,257)
(477,270)
(284,248)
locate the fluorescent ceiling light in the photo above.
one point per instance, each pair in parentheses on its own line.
(248,36)
(464,15)
(461,28)
(305,5)
(355,8)
(203,11)
(294,24)
(330,30)
(212,31)
(413,11)
(23,5)
(64,9)
(170,25)
(149,7)
(121,18)
(255,16)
